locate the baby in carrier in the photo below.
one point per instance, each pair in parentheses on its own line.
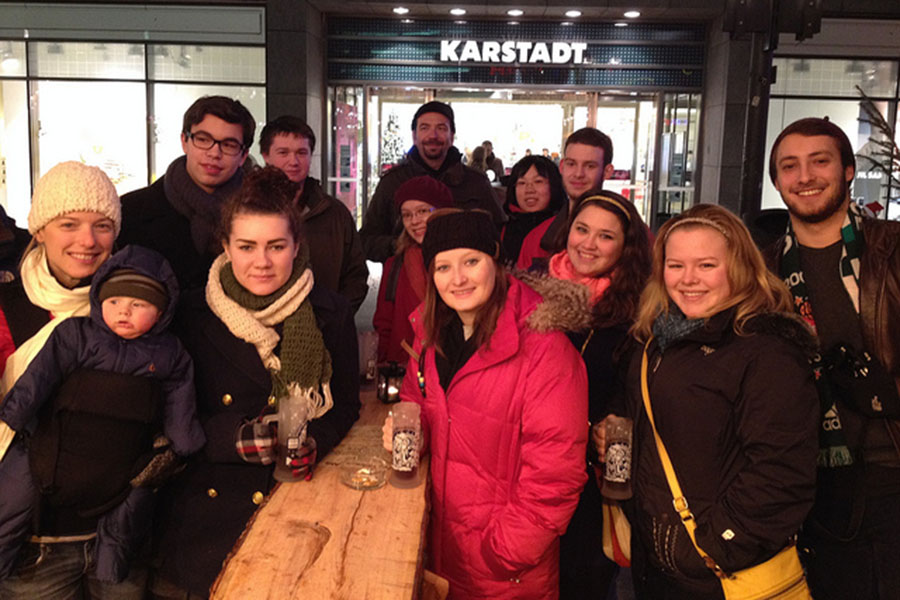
(85,419)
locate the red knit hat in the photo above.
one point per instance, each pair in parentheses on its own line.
(424,189)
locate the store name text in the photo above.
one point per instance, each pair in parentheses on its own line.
(557,53)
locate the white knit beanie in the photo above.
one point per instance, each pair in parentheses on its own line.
(73,187)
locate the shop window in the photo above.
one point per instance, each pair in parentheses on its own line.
(15,185)
(95,122)
(834,77)
(86,60)
(12,59)
(183,62)
(171,100)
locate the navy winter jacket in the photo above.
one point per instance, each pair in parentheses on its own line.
(88,343)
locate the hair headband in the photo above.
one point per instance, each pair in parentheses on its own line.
(612,201)
(696,221)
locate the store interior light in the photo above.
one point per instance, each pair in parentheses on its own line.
(573,14)
(515,12)
(406,21)
(512,22)
(459,22)
(400,10)
(566,23)
(621,24)
(632,14)
(9,64)
(457,12)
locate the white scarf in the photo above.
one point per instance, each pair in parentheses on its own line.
(44,291)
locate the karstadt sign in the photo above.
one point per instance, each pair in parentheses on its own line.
(557,53)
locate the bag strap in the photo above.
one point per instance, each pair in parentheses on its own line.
(678,500)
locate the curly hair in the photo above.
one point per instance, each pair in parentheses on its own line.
(620,301)
(264,191)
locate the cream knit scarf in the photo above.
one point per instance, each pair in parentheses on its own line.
(257,328)
(45,291)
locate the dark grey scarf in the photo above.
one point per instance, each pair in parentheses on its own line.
(202,210)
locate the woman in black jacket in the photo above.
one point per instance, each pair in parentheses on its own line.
(606,252)
(734,402)
(264,332)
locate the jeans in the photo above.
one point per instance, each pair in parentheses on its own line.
(864,565)
(64,571)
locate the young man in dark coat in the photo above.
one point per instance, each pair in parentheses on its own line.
(178,214)
(335,250)
(586,163)
(432,154)
(844,271)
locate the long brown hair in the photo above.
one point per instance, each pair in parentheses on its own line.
(619,303)
(754,289)
(438,314)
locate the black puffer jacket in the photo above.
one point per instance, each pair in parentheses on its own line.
(739,417)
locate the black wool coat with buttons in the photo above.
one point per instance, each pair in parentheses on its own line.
(206,509)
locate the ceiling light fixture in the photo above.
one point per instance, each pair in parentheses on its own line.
(573,14)
(512,22)
(632,14)
(621,24)
(457,12)
(406,21)
(400,10)
(566,23)
(459,22)
(515,12)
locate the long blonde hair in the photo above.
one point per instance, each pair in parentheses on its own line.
(754,289)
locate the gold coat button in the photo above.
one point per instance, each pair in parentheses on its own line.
(227,399)
(272,400)
(212,493)
(258,497)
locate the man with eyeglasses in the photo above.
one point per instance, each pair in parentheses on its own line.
(335,250)
(433,154)
(179,213)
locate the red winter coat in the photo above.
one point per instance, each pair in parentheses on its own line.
(391,318)
(507,442)
(531,245)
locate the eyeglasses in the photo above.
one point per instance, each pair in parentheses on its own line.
(204,141)
(422,213)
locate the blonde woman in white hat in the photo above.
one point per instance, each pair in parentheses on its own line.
(74,220)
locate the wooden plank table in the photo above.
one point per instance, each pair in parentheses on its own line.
(321,539)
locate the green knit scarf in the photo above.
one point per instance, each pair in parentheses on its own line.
(304,358)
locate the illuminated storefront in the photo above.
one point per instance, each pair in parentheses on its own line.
(525,87)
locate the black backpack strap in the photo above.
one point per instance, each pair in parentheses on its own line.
(393,278)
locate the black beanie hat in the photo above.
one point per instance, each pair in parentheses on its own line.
(435,107)
(457,228)
(128,282)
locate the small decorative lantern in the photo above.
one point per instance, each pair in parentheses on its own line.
(390,377)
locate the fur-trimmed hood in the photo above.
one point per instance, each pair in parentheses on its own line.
(787,326)
(566,305)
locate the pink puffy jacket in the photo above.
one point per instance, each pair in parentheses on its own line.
(507,442)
